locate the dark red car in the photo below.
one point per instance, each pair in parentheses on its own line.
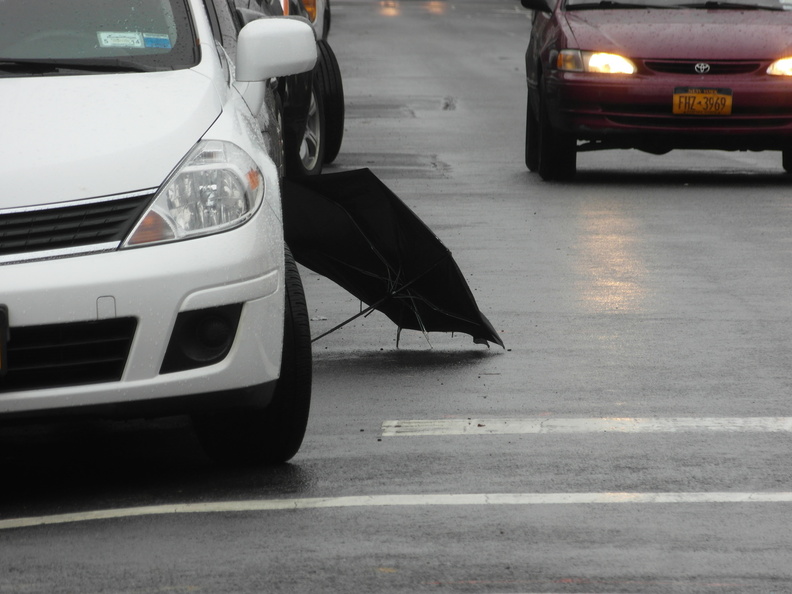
(656,75)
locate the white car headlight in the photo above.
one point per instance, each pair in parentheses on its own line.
(572,60)
(782,67)
(218,186)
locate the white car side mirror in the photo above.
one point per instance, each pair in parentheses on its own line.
(273,47)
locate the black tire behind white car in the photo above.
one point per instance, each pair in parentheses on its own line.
(319,141)
(327,77)
(304,154)
(271,435)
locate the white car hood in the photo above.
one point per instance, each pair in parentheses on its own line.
(72,137)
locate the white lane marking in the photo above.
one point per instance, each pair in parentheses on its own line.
(430,499)
(506,426)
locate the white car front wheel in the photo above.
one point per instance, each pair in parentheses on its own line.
(271,435)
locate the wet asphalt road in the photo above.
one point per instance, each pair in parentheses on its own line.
(652,292)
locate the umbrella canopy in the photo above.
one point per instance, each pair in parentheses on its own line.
(354,230)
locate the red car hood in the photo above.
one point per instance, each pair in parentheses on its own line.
(684,34)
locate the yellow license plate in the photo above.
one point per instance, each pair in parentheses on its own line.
(701,101)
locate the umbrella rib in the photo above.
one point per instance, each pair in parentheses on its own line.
(396,293)
(355,317)
(364,271)
(369,309)
(412,297)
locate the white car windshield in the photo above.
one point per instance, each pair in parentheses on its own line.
(689,4)
(111,34)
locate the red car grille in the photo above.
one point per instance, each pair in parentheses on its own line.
(690,67)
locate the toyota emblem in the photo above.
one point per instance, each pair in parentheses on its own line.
(702,68)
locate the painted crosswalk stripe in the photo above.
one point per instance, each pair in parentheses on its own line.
(429,499)
(544,425)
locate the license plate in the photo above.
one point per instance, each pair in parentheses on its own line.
(701,101)
(3,339)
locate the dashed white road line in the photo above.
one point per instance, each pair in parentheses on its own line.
(506,426)
(377,501)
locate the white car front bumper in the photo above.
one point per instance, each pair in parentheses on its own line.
(152,285)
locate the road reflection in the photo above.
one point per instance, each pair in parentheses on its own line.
(437,7)
(391,8)
(610,263)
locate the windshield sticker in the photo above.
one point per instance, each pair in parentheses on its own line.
(125,39)
(134,40)
(157,40)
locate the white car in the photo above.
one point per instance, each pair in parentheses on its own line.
(142,264)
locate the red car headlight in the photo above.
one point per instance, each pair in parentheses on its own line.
(571,60)
(782,67)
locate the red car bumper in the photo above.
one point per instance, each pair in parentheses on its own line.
(637,111)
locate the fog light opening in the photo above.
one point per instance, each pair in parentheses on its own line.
(201,338)
(209,338)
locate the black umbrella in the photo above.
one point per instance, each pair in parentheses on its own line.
(352,229)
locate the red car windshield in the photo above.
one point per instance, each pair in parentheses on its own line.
(131,34)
